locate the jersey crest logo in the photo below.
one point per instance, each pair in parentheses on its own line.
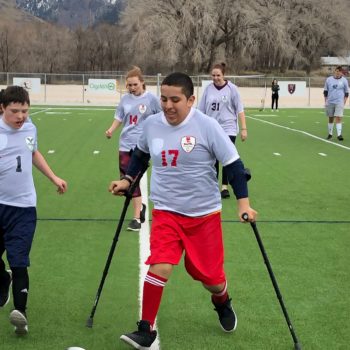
(224,98)
(188,143)
(30,143)
(291,88)
(142,108)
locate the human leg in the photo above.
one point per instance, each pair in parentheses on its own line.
(204,261)
(5,277)
(165,246)
(18,239)
(223,306)
(330,110)
(153,286)
(339,127)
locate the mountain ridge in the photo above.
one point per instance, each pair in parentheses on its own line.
(73,13)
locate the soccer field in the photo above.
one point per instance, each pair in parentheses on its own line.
(300,187)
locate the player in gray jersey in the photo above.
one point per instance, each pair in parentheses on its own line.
(131,113)
(184,144)
(18,151)
(336,92)
(221,100)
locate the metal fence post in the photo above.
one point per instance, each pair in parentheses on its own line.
(83,88)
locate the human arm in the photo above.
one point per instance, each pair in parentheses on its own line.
(109,132)
(238,177)
(244,131)
(346,91)
(41,164)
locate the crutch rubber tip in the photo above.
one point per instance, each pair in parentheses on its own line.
(297,346)
(89,322)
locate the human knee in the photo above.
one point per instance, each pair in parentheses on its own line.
(162,270)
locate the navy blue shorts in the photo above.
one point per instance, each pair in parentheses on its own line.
(17,227)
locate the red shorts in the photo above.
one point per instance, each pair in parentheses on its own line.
(124,160)
(200,238)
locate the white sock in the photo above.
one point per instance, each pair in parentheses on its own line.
(339,128)
(330,128)
(138,220)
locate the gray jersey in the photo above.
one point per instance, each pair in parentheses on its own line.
(16,158)
(183,157)
(223,104)
(336,90)
(132,112)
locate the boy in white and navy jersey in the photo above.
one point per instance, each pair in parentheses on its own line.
(183,144)
(132,111)
(18,151)
(336,92)
(221,101)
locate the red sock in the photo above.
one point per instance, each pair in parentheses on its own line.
(220,298)
(152,294)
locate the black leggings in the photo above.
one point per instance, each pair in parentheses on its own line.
(224,180)
(274,100)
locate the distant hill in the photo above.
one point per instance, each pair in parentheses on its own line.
(9,13)
(74,13)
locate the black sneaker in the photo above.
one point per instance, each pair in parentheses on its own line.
(5,289)
(340,138)
(134,225)
(143,338)
(227,317)
(329,136)
(225,194)
(143,213)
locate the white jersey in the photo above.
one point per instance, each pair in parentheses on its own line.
(183,157)
(336,88)
(132,112)
(16,158)
(223,103)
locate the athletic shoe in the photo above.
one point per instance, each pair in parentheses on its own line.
(19,320)
(340,138)
(225,194)
(134,225)
(143,338)
(5,289)
(329,136)
(227,317)
(143,213)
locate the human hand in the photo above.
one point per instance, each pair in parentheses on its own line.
(244,134)
(119,187)
(108,134)
(61,185)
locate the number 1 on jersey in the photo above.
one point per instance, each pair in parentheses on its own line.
(19,164)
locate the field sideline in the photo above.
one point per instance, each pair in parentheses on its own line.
(300,187)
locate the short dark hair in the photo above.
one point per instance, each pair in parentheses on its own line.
(13,94)
(339,68)
(180,80)
(1,94)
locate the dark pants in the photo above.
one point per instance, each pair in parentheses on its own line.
(274,100)
(17,227)
(224,180)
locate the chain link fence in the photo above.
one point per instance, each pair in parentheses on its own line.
(107,88)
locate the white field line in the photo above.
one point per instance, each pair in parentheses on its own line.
(144,250)
(80,108)
(301,132)
(41,111)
